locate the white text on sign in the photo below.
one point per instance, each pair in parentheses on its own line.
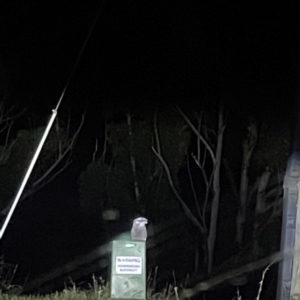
(128,265)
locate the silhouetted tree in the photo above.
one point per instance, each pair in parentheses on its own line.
(208,159)
(17,147)
(128,176)
(17,151)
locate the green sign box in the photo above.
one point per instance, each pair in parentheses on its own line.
(128,270)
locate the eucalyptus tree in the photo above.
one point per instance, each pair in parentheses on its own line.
(17,147)
(128,175)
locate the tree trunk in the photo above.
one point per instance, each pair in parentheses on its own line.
(248,148)
(132,160)
(216,190)
(260,209)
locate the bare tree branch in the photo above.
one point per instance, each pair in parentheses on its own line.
(199,165)
(194,129)
(200,214)
(6,149)
(158,168)
(231,179)
(156,133)
(186,209)
(248,147)
(198,140)
(55,168)
(59,159)
(132,159)
(7,118)
(216,188)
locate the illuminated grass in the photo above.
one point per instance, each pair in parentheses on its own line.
(72,294)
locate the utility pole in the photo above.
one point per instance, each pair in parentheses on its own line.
(288,286)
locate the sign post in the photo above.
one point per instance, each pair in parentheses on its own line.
(128,264)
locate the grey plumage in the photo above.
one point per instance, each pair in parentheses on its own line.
(139,231)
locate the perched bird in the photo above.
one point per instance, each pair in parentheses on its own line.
(138,230)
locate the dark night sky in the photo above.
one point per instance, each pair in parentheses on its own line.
(142,51)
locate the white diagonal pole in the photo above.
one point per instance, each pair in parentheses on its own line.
(28,173)
(45,135)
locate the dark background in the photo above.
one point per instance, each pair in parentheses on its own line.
(139,53)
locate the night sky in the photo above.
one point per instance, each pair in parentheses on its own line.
(139,53)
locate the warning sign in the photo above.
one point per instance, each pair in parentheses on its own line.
(128,265)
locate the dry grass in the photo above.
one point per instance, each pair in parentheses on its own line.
(96,292)
(100,290)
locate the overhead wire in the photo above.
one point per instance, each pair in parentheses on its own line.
(47,130)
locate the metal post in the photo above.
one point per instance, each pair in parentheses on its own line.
(28,172)
(288,286)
